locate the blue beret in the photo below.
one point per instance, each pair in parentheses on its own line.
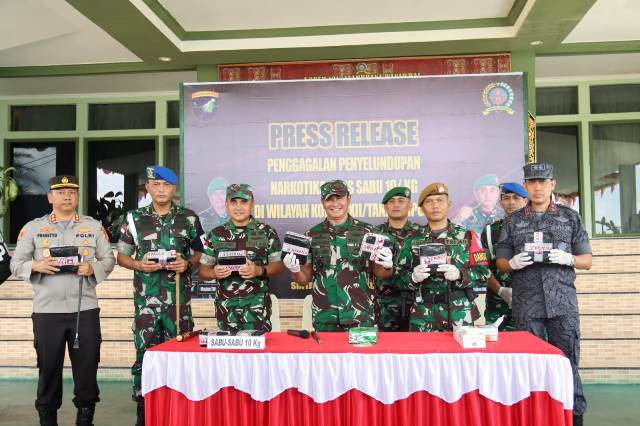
(514,188)
(162,173)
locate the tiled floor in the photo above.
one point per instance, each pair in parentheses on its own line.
(609,405)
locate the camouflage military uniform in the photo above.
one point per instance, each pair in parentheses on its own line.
(439,304)
(154,293)
(343,293)
(243,304)
(544,295)
(394,303)
(495,305)
(479,219)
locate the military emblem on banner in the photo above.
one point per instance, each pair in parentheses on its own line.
(204,104)
(497,97)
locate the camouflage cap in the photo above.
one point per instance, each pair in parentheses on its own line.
(63,181)
(402,191)
(239,190)
(436,188)
(334,187)
(538,171)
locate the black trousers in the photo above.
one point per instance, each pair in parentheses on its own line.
(563,332)
(52,332)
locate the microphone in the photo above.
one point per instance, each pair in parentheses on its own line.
(299,333)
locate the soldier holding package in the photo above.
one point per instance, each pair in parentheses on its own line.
(343,288)
(513,197)
(46,256)
(444,291)
(541,245)
(158,242)
(241,255)
(393,301)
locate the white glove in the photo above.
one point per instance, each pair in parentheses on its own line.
(506,294)
(520,260)
(451,272)
(562,258)
(384,258)
(420,273)
(291,262)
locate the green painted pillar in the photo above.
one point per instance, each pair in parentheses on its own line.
(525,61)
(207,73)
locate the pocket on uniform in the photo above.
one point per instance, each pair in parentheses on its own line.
(86,248)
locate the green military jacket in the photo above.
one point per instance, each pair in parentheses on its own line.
(463,250)
(262,246)
(391,286)
(142,231)
(489,238)
(342,283)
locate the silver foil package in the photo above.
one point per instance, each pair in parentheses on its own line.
(162,256)
(538,246)
(67,257)
(372,244)
(297,244)
(233,259)
(433,255)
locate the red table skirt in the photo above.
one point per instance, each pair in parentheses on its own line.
(230,407)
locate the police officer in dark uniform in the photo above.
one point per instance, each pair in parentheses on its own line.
(542,245)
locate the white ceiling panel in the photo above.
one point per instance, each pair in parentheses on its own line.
(51,32)
(219,15)
(608,20)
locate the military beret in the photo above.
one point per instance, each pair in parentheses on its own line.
(217,184)
(239,190)
(436,188)
(513,188)
(156,172)
(63,181)
(486,180)
(538,171)
(334,187)
(402,191)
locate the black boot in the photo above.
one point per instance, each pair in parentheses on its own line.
(140,412)
(48,417)
(577,420)
(85,416)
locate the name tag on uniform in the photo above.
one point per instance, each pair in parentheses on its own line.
(236,342)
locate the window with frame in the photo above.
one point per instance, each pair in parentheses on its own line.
(35,163)
(558,145)
(116,179)
(616,178)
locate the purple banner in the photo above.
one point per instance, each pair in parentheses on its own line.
(286,138)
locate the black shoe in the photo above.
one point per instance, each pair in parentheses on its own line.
(85,416)
(577,420)
(48,417)
(140,413)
